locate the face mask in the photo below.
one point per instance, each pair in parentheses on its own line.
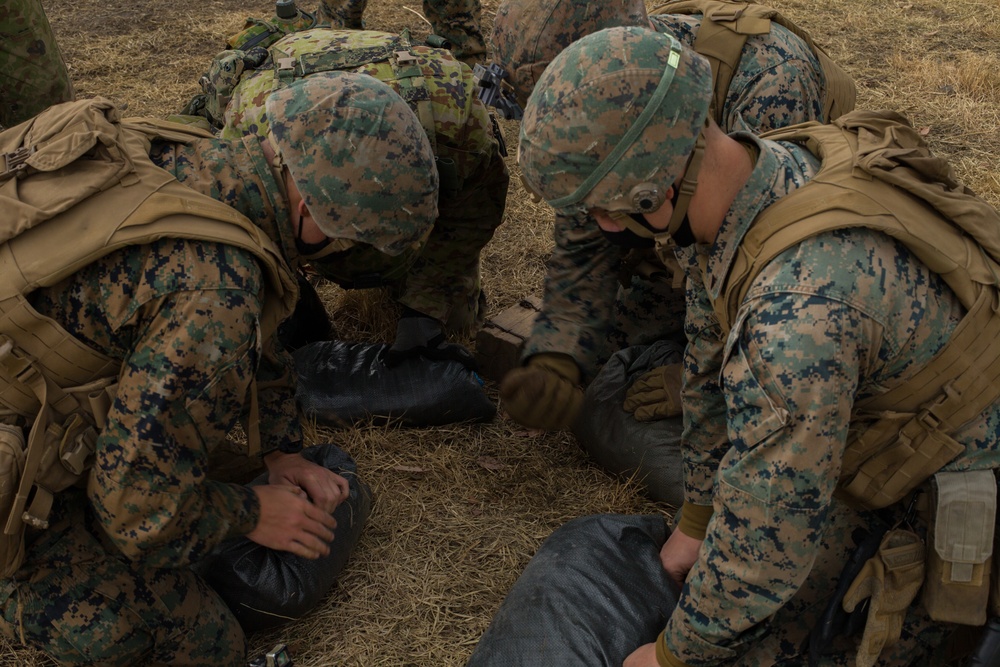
(363,267)
(626,238)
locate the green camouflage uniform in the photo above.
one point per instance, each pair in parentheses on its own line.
(108,582)
(33,75)
(444,281)
(586,313)
(457,21)
(768,408)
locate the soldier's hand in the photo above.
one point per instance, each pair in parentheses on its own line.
(678,555)
(655,395)
(418,335)
(644,656)
(324,487)
(545,393)
(289,521)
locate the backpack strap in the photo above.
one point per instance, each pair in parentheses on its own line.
(722,35)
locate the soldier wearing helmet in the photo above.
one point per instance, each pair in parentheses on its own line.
(185,318)
(432,268)
(603,294)
(777,373)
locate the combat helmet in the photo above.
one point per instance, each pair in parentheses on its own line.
(528,34)
(614,120)
(364,167)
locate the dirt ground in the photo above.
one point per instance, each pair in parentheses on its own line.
(460,510)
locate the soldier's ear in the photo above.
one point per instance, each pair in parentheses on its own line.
(303,210)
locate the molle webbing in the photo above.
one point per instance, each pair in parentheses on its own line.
(877,173)
(397,53)
(723,33)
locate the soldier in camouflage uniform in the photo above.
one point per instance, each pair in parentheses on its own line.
(600,297)
(33,75)
(769,408)
(109,581)
(457,21)
(437,282)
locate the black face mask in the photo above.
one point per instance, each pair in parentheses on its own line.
(626,238)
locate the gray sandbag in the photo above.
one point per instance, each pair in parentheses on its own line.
(342,383)
(265,588)
(649,452)
(594,592)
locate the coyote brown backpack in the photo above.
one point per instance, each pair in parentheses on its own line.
(878,173)
(725,26)
(76,183)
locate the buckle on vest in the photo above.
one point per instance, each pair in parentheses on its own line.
(14,163)
(285,63)
(405,58)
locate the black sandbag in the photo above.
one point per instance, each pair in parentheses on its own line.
(265,588)
(648,452)
(341,383)
(593,593)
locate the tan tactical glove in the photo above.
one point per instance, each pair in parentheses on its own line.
(891,579)
(656,395)
(544,394)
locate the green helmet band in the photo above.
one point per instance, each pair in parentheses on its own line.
(629,138)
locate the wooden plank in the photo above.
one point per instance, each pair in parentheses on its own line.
(501,339)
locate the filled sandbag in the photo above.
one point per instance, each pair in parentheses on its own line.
(265,588)
(593,593)
(648,452)
(341,383)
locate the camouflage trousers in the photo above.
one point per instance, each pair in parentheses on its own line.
(33,75)
(82,603)
(455,20)
(445,280)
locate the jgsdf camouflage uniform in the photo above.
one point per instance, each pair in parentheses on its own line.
(444,280)
(586,313)
(33,75)
(109,582)
(457,21)
(835,319)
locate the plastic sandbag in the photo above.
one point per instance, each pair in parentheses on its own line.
(341,383)
(593,593)
(649,452)
(264,587)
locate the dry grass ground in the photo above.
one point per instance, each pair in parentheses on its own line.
(449,535)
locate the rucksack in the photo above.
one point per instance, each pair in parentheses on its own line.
(76,184)
(878,173)
(725,27)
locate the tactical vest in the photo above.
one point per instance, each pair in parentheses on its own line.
(877,173)
(77,184)
(238,80)
(725,27)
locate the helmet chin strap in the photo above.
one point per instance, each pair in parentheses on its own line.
(688,185)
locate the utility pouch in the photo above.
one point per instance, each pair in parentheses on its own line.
(12,447)
(962,523)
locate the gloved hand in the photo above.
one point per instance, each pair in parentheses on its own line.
(418,335)
(656,395)
(891,579)
(545,393)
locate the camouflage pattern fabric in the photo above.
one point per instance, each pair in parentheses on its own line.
(33,75)
(586,313)
(836,319)
(359,158)
(109,585)
(444,281)
(457,21)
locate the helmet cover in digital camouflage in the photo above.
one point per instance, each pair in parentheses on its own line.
(528,34)
(359,157)
(614,117)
